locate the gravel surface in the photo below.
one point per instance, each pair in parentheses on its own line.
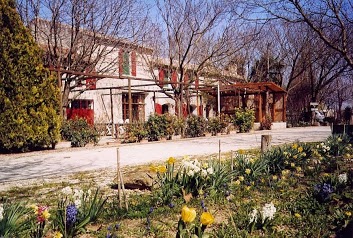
(64,161)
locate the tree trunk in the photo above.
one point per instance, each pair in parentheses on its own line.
(65,98)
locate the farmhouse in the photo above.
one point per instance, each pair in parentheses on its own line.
(121,87)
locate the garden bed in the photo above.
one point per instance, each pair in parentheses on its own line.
(295,190)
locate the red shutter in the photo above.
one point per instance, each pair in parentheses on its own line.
(200,112)
(174,79)
(133,63)
(158,109)
(121,57)
(161,77)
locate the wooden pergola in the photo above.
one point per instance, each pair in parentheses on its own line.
(266,98)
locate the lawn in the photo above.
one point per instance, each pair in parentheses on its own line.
(293,190)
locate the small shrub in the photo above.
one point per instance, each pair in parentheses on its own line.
(178,125)
(244,119)
(135,133)
(214,125)
(156,126)
(195,126)
(79,132)
(266,124)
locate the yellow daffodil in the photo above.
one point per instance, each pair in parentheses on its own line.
(300,149)
(46,214)
(241,152)
(295,146)
(274,177)
(57,234)
(292,165)
(188,214)
(348,213)
(285,172)
(153,169)
(171,160)
(248,188)
(241,178)
(247,171)
(298,169)
(297,215)
(161,169)
(206,218)
(295,156)
(237,182)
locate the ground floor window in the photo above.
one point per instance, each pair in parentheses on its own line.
(138,106)
(81,108)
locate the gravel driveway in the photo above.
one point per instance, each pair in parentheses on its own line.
(63,161)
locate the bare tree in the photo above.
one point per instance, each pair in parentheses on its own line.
(339,92)
(84,35)
(194,38)
(331,21)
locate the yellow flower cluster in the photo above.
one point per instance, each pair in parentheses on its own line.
(158,169)
(188,215)
(171,160)
(57,234)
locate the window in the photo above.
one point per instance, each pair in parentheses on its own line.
(163,76)
(138,107)
(126,63)
(81,104)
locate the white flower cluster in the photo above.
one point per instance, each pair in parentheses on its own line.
(194,167)
(76,195)
(325,148)
(1,212)
(342,178)
(268,211)
(253,216)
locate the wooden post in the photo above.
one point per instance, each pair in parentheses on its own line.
(112,112)
(118,175)
(130,101)
(265,142)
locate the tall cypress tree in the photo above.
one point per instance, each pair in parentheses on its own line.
(29,97)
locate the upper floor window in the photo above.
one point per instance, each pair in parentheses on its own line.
(127,62)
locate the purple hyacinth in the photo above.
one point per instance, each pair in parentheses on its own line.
(71,214)
(323,191)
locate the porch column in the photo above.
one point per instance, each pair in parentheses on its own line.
(284,112)
(273,116)
(260,107)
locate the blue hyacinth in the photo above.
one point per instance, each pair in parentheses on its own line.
(71,214)
(323,191)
